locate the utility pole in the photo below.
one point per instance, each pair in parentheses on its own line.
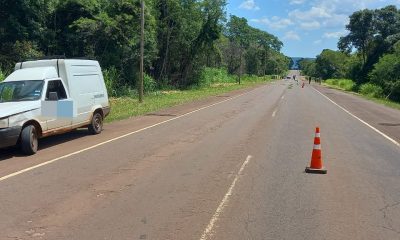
(141,53)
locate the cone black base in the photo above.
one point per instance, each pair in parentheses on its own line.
(316,171)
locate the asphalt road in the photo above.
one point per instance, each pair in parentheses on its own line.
(229,167)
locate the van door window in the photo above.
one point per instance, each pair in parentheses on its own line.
(56,86)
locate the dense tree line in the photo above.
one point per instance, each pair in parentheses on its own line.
(182,38)
(369,53)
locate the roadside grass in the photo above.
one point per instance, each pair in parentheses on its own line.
(349,86)
(126,107)
(343,84)
(383,101)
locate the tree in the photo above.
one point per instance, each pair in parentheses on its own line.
(238,32)
(372,33)
(22,23)
(386,73)
(360,32)
(308,67)
(331,64)
(182,38)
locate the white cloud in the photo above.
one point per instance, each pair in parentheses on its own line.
(297,2)
(291,35)
(249,5)
(313,14)
(335,34)
(310,25)
(317,42)
(330,14)
(275,22)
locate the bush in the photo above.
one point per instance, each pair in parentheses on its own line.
(371,90)
(115,87)
(209,76)
(111,77)
(149,84)
(345,84)
(386,73)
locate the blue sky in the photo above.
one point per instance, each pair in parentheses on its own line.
(306,27)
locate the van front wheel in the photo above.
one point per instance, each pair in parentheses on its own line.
(96,126)
(29,140)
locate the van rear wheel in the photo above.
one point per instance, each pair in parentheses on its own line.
(96,126)
(29,140)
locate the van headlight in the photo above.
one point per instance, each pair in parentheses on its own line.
(4,122)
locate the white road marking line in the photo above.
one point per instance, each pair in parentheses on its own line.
(120,137)
(208,232)
(359,119)
(274,113)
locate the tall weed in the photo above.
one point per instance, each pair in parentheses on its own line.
(345,84)
(371,90)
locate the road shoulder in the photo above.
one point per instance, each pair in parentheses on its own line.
(385,119)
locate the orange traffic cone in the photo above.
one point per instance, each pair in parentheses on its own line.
(316,165)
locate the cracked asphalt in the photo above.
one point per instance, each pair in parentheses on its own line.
(188,178)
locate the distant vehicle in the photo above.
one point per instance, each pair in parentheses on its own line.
(288,77)
(48,97)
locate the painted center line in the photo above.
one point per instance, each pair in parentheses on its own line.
(274,113)
(359,119)
(208,232)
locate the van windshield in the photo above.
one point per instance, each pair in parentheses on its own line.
(21,91)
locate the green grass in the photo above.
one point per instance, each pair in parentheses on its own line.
(367,92)
(125,107)
(343,84)
(383,101)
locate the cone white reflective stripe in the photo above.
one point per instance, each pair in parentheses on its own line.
(317,135)
(318,147)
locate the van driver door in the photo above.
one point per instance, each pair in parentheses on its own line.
(54,106)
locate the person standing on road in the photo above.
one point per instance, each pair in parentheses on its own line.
(309,80)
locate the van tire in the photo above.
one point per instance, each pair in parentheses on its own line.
(29,140)
(96,126)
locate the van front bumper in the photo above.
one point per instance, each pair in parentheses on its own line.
(9,136)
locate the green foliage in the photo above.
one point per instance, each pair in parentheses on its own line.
(115,85)
(211,76)
(375,66)
(308,67)
(360,32)
(252,51)
(181,39)
(372,33)
(111,78)
(149,84)
(345,84)
(371,90)
(2,75)
(331,64)
(386,73)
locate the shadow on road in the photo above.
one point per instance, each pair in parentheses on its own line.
(390,124)
(44,143)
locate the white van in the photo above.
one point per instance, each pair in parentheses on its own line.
(49,97)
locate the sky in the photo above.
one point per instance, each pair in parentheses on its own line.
(306,27)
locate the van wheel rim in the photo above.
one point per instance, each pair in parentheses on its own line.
(33,140)
(97,123)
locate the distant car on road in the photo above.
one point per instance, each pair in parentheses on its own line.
(48,97)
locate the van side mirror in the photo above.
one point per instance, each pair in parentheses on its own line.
(53,96)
